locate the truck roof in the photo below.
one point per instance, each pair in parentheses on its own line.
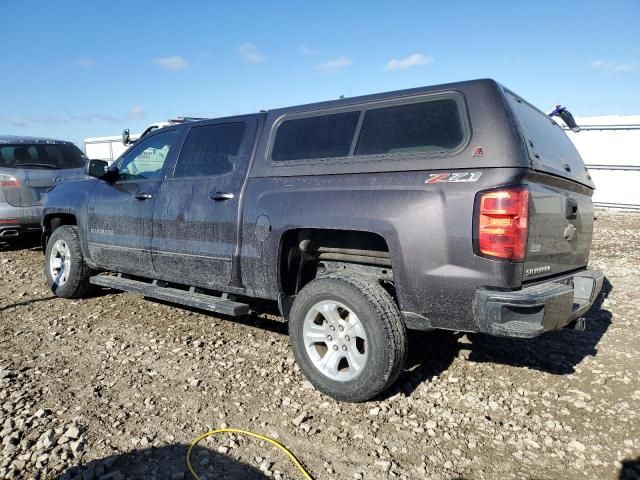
(340,102)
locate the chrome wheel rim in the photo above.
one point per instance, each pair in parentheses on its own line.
(335,340)
(60,262)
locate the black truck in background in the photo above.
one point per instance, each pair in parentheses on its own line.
(457,206)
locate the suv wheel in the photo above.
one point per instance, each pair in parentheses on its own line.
(65,268)
(348,337)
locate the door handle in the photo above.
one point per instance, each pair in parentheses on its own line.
(219,196)
(143,195)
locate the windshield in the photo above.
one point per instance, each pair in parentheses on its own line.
(41,155)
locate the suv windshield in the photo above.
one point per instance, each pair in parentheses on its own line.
(41,155)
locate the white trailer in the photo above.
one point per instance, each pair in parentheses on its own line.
(105,148)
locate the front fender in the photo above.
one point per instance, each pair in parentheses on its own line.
(69,203)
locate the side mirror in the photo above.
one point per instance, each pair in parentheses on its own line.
(126,137)
(96,168)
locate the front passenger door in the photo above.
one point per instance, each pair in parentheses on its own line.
(120,214)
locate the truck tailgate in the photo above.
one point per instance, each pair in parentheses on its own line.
(560,230)
(560,190)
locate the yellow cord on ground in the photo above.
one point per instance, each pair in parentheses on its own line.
(273,442)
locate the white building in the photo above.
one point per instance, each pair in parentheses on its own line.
(610,146)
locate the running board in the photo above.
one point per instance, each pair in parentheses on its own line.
(189,298)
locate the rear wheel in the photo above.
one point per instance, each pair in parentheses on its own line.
(67,272)
(348,337)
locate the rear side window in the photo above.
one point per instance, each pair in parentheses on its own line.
(210,150)
(41,155)
(425,127)
(322,136)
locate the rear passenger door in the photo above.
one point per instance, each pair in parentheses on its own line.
(196,210)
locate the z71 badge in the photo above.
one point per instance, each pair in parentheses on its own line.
(457,177)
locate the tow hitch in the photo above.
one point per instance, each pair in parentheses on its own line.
(579,324)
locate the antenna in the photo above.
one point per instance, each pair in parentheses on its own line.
(345,96)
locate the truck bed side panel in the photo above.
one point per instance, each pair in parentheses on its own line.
(427,227)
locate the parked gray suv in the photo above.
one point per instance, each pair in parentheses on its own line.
(29,167)
(458,207)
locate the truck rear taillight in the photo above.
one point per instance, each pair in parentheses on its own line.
(9,181)
(502,223)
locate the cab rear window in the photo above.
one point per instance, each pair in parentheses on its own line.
(429,126)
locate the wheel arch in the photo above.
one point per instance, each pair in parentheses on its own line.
(53,220)
(301,250)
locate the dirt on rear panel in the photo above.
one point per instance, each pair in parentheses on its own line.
(119,386)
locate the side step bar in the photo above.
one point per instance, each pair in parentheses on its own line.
(173,295)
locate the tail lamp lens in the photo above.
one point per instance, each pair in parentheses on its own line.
(9,181)
(503,223)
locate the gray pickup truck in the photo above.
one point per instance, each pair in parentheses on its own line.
(458,207)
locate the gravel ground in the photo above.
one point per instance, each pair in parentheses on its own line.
(116,387)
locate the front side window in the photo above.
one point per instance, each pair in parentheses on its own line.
(210,150)
(321,136)
(41,155)
(426,127)
(146,160)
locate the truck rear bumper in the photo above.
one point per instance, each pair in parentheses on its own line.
(540,308)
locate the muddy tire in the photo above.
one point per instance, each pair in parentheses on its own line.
(67,272)
(348,337)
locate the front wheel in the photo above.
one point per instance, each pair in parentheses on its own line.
(67,272)
(348,337)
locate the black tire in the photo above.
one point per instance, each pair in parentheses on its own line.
(380,318)
(77,280)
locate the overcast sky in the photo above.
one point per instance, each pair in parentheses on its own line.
(76,69)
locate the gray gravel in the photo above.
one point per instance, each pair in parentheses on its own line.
(116,387)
